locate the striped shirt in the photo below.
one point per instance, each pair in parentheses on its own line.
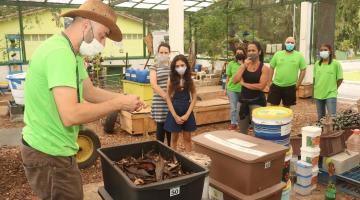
(159,108)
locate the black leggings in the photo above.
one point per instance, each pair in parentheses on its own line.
(160,133)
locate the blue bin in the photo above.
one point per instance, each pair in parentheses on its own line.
(198,67)
(133,75)
(127,73)
(142,76)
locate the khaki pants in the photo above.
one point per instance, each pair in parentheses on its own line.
(52,177)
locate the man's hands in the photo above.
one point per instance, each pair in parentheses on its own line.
(129,103)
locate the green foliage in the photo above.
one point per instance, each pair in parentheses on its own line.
(348,25)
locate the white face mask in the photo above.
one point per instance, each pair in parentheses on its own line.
(181,70)
(324,54)
(91,49)
(163,59)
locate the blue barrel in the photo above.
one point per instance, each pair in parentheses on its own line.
(142,76)
(198,67)
(273,123)
(127,73)
(133,75)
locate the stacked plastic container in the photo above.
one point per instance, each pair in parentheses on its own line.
(273,123)
(310,151)
(304,174)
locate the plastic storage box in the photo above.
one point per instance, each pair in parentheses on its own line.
(343,161)
(310,155)
(120,187)
(219,191)
(240,162)
(304,191)
(303,168)
(303,180)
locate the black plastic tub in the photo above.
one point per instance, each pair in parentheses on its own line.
(120,187)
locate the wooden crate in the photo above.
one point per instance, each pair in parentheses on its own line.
(212,111)
(206,112)
(137,123)
(209,92)
(305,91)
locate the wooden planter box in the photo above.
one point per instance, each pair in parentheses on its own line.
(212,111)
(137,123)
(305,91)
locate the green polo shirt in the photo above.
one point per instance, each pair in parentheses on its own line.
(53,64)
(231,71)
(326,77)
(287,67)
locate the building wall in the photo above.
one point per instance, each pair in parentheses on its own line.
(40,25)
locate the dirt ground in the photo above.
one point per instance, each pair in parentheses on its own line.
(13,184)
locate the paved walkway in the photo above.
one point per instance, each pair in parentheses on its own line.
(10,136)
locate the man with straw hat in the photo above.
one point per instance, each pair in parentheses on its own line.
(56,84)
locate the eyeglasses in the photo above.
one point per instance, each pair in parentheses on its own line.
(180,65)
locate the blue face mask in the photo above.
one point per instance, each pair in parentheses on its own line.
(289,46)
(324,54)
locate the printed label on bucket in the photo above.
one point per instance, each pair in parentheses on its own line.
(312,141)
(285,129)
(215,194)
(174,191)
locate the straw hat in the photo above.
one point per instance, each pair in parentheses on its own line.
(97,11)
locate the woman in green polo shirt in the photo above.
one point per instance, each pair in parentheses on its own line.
(233,89)
(328,76)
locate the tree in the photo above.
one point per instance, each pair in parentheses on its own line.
(348,24)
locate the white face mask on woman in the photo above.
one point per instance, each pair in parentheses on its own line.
(324,54)
(163,59)
(181,70)
(91,49)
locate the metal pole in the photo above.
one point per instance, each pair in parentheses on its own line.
(144,35)
(227,30)
(294,21)
(22,34)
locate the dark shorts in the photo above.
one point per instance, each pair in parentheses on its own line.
(285,94)
(180,109)
(52,177)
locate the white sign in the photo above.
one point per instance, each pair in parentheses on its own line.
(174,191)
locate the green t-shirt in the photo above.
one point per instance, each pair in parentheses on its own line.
(53,64)
(287,67)
(231,71)
(326,77)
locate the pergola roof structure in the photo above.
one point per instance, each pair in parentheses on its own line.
(189,5)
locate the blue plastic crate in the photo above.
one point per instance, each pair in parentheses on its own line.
(349,182)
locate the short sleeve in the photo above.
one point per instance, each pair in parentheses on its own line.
(273,60)
(228,69)
(61,68)
(339,71)
(153,67)
(314,70)
(302,62)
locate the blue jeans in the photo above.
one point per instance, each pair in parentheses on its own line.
(234,111)
(330,104)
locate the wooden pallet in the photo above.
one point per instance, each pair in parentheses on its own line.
(206,112)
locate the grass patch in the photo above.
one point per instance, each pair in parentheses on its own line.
(352,76)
